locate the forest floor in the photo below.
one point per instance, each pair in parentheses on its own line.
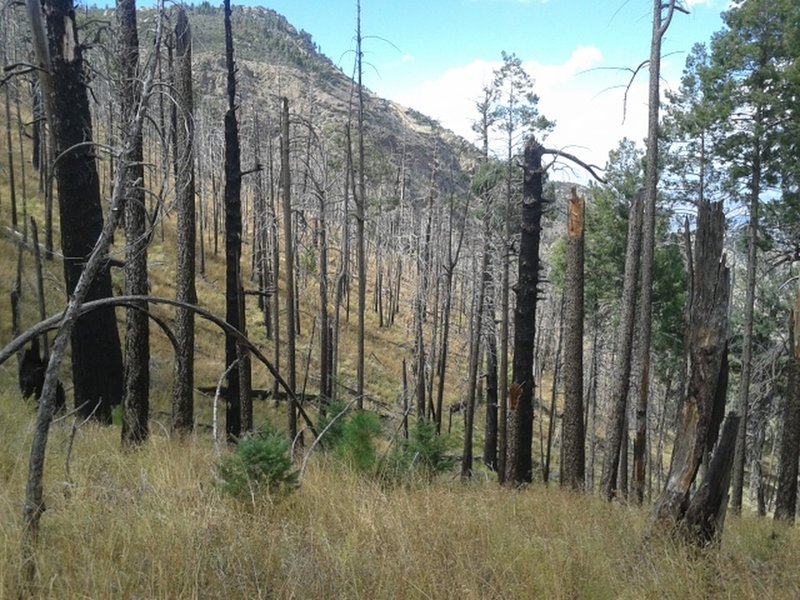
(153,524)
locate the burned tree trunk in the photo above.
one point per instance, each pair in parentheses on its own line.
(573,451)
(707,343)
(136,392)
(183,372)
(622,371)
(466,461)
(705,516)
(288,246)
(786,495)
(233,242)
(96,354)
(490,437)
(525,312)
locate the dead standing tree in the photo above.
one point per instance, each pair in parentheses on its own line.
(622,369)
(234,304)
(662,18)
(707,345)
(786,495)
(520,406)
(96,354)
(573,462)
(521,390)
(96,266)
(183,372)
(136,389)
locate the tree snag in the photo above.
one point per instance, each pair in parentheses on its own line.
(526,290)
(573,451)
(707,343)
(183,372)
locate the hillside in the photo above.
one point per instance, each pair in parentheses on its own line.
(274,59)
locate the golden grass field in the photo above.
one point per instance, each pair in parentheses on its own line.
(152,524)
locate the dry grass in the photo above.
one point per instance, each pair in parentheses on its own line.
(151,524)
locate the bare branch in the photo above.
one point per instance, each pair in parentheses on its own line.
(591,169)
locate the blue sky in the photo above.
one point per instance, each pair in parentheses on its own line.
(434,55)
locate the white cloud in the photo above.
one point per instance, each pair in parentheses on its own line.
(586,103)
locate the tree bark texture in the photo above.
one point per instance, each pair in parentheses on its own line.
(288,245)
(136,390)
(573,450)
(361,203)
(705,517)
(737,484)
(96,265)
(233,242)
(707,343)
(622,370)
(183,372)
(659,28)
(490,436)
(475,354)
(97,370)
(525,312)
(786,495)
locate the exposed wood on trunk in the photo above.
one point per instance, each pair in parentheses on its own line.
(705,517)
(573,448)
(711,290)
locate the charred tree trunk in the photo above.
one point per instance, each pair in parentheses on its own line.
(361,203)
(705,517)
(136,391)
(97,371)
(619,395)
(288,243)
(324,327)
(786,495)
(183,372)
(466,461)
(551,424)
(525,313)
(490,437)
(233,243)
(710,290)
(574,459)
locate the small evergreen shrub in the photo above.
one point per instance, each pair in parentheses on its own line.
(357,443)
(259,463)
(116,415)
(421,455)
(332,423)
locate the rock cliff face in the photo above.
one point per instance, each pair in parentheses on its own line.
(274,60)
